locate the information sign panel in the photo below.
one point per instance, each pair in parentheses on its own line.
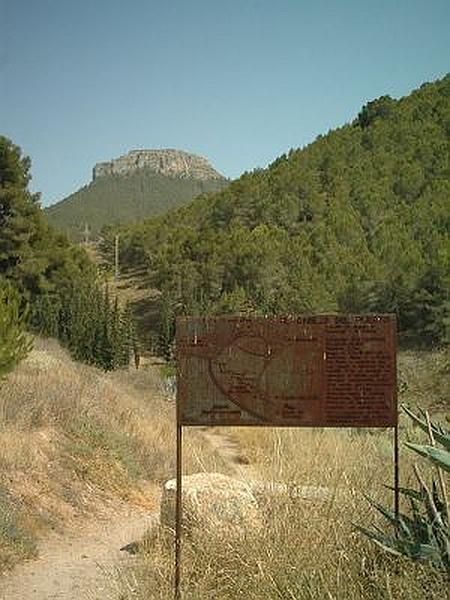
(320,371)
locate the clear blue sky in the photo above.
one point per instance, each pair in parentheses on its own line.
(238,81)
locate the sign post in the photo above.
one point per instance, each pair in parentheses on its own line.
(317,371)
(178,511)
(396,473)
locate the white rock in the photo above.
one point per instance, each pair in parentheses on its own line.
(215,504)
(212,504)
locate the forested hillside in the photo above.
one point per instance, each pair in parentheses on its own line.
(123,198)
(48,284)
(359,220)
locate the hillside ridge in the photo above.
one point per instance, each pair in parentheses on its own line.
(357,221)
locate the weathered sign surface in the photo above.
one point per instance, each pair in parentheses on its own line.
(320,371)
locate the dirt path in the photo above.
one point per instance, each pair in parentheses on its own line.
(82,563)
(226,445)
(79,565)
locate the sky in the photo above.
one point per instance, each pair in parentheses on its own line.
(237,81)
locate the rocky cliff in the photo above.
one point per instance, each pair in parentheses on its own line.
(176,163)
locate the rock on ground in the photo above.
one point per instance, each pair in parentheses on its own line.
(212,502)
(216,503)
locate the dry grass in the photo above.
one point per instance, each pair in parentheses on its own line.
(73,438)
(424,379)
(307,550)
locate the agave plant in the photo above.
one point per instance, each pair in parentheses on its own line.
(424,533)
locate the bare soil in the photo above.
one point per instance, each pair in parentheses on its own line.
(81,563)
(228,448)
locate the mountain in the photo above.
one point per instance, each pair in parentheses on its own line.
(140,184)
(357,221)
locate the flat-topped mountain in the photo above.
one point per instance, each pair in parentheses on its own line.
(141,184)
(168,161)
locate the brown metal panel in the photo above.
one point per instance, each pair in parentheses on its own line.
(321,371)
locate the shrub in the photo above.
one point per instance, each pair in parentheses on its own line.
(423,534)
(14,341)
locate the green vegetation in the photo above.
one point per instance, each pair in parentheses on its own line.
(124,198)
(33,256)
(357,221)
(56,279)
(423,535)
(14,342)
(95,329)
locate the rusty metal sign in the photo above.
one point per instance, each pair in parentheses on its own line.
(321,371)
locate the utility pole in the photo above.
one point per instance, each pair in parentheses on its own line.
(86,233)
(116,256)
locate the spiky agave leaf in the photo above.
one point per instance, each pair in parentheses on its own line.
(440,434)
(408,492)
(439,457)
(400,521)
(381,539)
(398,546)
(425,535)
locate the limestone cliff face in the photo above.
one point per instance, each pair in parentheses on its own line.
(176,163)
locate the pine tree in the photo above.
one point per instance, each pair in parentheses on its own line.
(15,343)
(23,253)
(128,339)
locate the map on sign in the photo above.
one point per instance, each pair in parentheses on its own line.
(312,371)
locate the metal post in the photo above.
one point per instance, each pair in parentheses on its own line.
(178,512)
(396,473)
